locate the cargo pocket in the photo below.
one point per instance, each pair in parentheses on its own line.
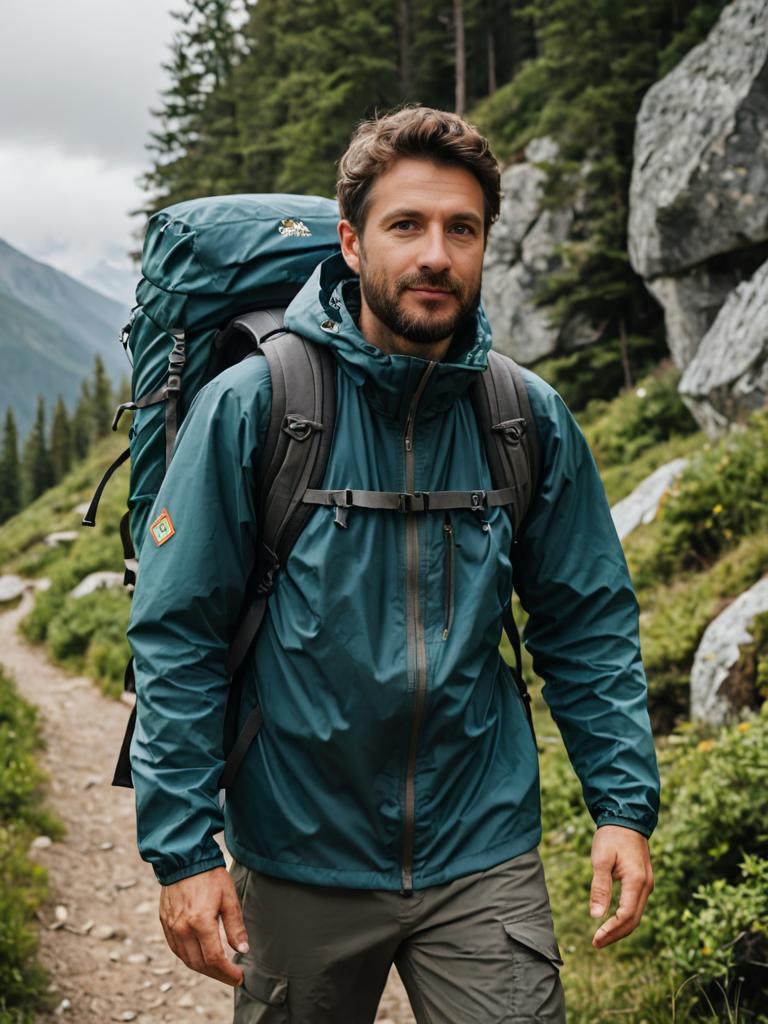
(262,998)
(537,992)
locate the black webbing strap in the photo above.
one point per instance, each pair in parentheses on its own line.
(510,628)
(244,739)
(89,519)
(122,776)
(153,398)
(129,555)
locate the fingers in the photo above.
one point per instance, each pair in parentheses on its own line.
(189,914)
(619,853)
(232,919)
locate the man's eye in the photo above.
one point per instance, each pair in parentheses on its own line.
(463,229)
(403,225)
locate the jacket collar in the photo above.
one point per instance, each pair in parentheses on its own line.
(326,310)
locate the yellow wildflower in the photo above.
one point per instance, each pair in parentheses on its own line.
(744,726)
(705,745)
(717,510)
(705,951)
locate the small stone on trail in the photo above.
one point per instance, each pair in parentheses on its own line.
(127,1015)
(63,1006)
(166,986)
(186,1000)
(114,956)
(137,958)
(104,931)
(86,927)
(146,907)
(91,781)
(61,913)
(162,970)
(125,883)
(106,846)
(41,843)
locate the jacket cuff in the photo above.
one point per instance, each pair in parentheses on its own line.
(192,869)
(637,826)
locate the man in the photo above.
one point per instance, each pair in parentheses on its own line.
(388,810)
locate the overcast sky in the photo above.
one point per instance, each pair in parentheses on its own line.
(77,80)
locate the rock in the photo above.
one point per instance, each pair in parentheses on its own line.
(91,781)
(95,580)
(11,587)
(186,1000)
(166,986)
(104,932)
(81,509)
(61,913)
(106,846)
(728,376)
(63,1007)
(147,907)
(41,843)
(691,303)
(643,503)
(717,654)
(137,958)
(54,540)
(128,1015)
(700,173)
(125,883)
(520,253)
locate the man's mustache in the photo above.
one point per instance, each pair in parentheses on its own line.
(443,282)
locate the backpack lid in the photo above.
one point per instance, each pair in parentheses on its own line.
(239,244)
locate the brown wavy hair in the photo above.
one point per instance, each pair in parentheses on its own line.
(416,132)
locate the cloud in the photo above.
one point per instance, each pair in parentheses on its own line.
(83,74)
(67,210)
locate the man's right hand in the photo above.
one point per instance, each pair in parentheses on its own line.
(190,912)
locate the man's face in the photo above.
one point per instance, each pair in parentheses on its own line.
(420,255)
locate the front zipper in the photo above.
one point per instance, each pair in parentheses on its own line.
(415,640)
(448,576)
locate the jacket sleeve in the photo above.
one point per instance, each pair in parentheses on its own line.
(583,629)
(189,594)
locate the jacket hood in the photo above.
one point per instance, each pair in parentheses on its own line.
(326,311)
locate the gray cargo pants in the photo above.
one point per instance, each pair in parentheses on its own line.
(478,950)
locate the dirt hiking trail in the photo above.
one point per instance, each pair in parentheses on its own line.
(100,937)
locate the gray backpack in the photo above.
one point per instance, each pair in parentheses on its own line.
(291,474)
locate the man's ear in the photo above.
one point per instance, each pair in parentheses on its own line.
(350,245)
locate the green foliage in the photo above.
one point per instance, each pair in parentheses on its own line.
(639,419)
(22,883)
(10,470)
(37,466)
(62,449)
(88,634)
(718,499)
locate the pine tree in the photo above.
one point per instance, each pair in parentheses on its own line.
(37,466)
(102,404)
(62,448)
(195,149)
(82,422)
(10,470)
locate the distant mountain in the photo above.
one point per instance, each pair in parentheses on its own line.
(113,279)
(51,327)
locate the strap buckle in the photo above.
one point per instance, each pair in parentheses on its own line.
(478,501)
(299,428)
(513,430)
(342,502)
(415,501)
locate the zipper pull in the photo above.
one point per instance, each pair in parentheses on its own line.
(408,444)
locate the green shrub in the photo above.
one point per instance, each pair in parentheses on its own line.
(717,500)
(638,420)
(597,372)
(22,883)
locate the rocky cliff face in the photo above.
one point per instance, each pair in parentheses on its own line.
(698,228)
(521,253)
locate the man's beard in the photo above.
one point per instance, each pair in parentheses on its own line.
(424,329)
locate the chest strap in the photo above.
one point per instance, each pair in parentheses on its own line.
(408,501)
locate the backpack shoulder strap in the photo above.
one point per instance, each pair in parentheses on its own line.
(294,458)
(504,413)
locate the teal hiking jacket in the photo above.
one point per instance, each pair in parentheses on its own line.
(395,750)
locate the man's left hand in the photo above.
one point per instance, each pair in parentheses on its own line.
(622,854)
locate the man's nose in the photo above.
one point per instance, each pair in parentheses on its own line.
(434,253)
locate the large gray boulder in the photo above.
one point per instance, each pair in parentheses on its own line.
(700,177)
(713,699)
(728,376)
(520,255)
(642,504)
(95,581)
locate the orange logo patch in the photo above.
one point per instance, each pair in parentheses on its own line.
(162,528)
